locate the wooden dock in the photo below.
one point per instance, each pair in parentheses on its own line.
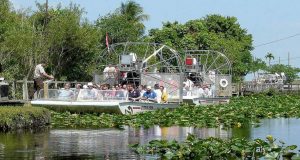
(12,102)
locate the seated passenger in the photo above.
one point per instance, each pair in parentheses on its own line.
(77,88)
(88,92)
(149,95)
(158,93)
(142,89)
(66,93)
(200,92)
(207,91)
(133,94)
(164,95)
(188,86)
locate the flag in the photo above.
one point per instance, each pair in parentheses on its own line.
(106,40)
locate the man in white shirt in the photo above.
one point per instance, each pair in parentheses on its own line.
(188,86)
(110,73)
(39,76)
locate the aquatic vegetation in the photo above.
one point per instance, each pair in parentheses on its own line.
(73,120)
(215,148)
(12,117)
(239,112)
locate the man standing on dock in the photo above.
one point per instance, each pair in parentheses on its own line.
(39,76)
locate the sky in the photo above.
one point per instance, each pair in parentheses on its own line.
(266,20)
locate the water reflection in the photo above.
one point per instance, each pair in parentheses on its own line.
(102,143)
(142,136)
(113,143)
(285,129)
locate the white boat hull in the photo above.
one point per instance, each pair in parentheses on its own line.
(102,107)
(137,107)
(206,101)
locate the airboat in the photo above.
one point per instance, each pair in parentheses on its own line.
(209,72)
(135,63)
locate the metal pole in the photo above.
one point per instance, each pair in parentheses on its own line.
(14,90)
(47,8)
(181,87)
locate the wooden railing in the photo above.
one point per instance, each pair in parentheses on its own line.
(21,89)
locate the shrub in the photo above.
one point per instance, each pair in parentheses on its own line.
(12,117)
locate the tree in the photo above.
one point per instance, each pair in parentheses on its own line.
(17,42)
(124,24)
(67,41)
(72,43)
(213,32)
(133,11)
(269,56)
(256,65)
(119,29)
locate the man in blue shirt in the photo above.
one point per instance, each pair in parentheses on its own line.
(133,94)
(150,95)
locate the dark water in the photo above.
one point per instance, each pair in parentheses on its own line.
(113,143)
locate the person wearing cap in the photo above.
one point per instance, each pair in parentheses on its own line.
(89,92)
(133,94)
(150,95)
(85,87)
(39,76)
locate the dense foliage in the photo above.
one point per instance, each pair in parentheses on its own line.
(215,148)
(240,111)
(124,24)
(60,36)
(12,117)
(72,45)
(213,32)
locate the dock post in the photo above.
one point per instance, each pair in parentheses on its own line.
(13,89)
(181,75)
(25,89)
(46,89)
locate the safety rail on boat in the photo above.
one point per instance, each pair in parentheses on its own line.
(195,92)
(82,95)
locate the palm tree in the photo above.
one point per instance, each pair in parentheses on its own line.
(133,11)
(269,56)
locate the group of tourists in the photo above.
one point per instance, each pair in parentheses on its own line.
(199,90)
(92,91)
(156,93)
